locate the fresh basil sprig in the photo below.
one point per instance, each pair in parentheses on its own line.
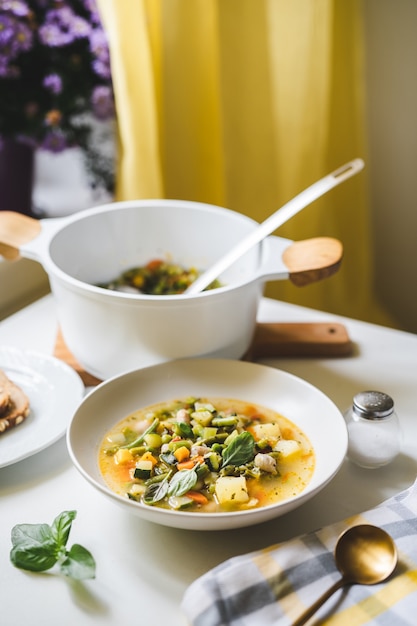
(240,450)
(156,492)
(38,547)
(182,481)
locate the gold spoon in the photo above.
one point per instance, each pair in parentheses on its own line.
(365,555)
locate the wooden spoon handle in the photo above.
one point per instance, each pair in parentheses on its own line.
(16,229)
(313,259)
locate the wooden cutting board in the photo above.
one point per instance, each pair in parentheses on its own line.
(271,340)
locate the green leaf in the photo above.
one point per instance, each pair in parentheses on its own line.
(78,564)
(240,450)
(31,534)
(184,430)
(34,547)
(38,547)
(35,558)
(181,482)
(156,492)
(61,527)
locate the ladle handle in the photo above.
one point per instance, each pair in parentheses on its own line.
(302,619)
(275,220)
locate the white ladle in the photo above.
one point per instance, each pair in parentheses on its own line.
(275,220)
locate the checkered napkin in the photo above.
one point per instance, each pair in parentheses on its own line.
(273,586)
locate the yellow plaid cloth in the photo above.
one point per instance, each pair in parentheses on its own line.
(272,587)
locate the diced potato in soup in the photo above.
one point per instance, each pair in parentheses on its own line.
(207,455)
(270,432)
(231,490)
(287,448)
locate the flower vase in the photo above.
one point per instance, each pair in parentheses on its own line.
(16,176)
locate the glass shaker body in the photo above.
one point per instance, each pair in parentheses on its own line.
(374,431)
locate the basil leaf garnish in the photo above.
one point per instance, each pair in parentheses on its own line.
(38,547)
(156,492)
(61,526)
(78,564)
(240,450)
(181,482)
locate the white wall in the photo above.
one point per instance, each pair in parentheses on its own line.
(391,72)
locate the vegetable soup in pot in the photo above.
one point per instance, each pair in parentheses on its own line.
(206,455)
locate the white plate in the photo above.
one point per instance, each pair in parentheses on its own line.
(295,398)
(54,390)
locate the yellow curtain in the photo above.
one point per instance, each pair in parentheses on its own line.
(243,104)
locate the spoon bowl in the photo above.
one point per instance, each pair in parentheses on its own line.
(364,555)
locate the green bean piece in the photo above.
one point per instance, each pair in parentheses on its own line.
(157,479)
(138,440)
(181,443)
(230,420)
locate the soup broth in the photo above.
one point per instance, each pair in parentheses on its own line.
(206,455)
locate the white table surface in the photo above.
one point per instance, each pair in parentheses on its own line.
(144,569)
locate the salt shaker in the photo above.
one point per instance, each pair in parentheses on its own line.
(373,429)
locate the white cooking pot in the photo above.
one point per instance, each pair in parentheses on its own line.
(110,332)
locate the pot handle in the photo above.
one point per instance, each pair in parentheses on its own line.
(313,259)
(16,230)
(303,262)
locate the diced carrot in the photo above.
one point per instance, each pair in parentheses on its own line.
(154,264)
(123,472)
(196,460)
(185,465)
(197,496)
(182,453)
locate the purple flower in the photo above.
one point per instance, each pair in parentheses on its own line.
(98,44)
(54,141)
(23,37)
(102,102)
(62,27)
(81,28)
(15,38)
(101,69)
(91,7)
(99,50)
(56,53)
(17,7)
(53,83)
